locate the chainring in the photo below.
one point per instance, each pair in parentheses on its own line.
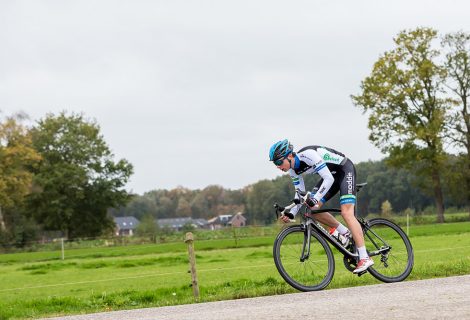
(350,263)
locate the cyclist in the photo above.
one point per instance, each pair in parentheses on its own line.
(337,173)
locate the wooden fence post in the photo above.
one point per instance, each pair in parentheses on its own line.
(407,224)
(62,248)
(192,263)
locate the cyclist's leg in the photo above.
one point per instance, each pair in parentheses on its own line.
(348,201)
(326,218)
(347,212)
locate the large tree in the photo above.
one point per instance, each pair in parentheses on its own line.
(17,157)
(457,46)
(403,98)
(77,180)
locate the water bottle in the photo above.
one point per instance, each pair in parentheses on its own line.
(334,232)
(342,239)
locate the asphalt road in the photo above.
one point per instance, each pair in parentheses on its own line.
(444,298)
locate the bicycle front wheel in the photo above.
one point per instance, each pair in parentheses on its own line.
(317,268)
(390,249)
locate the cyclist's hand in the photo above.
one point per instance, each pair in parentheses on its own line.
(296,201)
(287,217)
(312,203)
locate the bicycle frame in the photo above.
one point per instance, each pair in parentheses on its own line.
(313,239)
(325,234)
(310,221)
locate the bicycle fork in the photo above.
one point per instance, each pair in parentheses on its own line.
(306,245)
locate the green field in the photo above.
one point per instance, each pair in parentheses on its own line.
(39,284)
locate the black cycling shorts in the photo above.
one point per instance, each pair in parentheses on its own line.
(345,182)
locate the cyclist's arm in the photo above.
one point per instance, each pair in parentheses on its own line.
(326,185)
(320,167)
(299,184)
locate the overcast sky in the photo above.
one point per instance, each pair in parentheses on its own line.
(194,93)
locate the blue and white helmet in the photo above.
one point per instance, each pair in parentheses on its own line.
(280,149)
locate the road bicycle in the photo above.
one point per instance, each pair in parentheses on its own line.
(305,260)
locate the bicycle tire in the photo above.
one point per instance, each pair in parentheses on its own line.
(311,275)
(396,264)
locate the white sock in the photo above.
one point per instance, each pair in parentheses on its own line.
(342,229)
(362,253)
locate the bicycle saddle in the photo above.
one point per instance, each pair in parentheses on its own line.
(359,186)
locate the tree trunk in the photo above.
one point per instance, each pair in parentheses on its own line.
(468,183)
(2,223)
(438,198)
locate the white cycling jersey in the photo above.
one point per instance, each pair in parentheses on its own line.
(316,159)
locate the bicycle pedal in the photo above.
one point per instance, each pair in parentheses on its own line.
(361,273)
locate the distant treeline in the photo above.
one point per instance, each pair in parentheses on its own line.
(400,188)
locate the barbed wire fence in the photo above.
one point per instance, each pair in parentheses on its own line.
(65,248)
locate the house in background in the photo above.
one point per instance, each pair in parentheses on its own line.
(238,220)
(178,223)
(227,220)
(219,222)
(125,226)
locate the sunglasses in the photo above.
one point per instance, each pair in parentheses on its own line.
(278,162)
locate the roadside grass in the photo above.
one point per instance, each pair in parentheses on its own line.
(103,279)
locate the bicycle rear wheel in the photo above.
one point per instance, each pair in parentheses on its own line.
(315,272)
(390,249)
